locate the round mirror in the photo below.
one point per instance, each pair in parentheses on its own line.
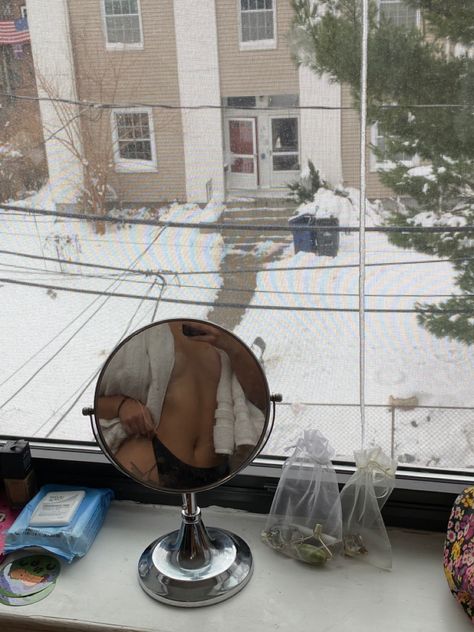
(181,406)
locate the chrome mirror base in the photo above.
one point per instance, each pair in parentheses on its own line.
(195,566)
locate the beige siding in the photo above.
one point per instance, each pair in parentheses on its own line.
(350,130)
(140,76)
(254,72)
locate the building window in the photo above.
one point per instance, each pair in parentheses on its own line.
(133,137)
(380,160)
(285,146)
(398,12)
(241,102)
(123,23)
(257,24)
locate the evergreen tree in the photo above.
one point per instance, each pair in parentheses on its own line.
(303,189)
(420,91)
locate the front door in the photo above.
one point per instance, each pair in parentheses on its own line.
(242,144)
(285,154)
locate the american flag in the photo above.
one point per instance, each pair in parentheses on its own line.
(14,31)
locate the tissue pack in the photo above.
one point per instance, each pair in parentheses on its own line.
(67,541)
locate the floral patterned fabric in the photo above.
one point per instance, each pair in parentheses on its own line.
(459,551)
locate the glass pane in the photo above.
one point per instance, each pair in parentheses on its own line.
(285,134)
(241,102)
(289,162)
(242,165)
(241,137)
(292,295)
(398,12)
(283,100)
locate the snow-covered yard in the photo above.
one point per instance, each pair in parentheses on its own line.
(54,342)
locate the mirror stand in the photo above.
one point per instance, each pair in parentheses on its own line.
(195,566)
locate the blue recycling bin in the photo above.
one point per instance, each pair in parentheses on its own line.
(303,240)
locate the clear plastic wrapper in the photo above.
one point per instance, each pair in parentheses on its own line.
(305,518)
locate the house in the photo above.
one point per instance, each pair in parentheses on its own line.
(21,132)
(203,99)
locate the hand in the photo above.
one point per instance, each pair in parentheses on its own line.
(136,418)
(215,337)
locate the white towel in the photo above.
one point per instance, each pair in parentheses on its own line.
(237,421)
(142,368)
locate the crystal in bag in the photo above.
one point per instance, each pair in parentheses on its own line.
(305,517)
(362,499)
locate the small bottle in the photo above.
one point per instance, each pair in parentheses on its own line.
(17,472)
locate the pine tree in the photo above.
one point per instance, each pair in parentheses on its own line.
(421,94)
(303,189)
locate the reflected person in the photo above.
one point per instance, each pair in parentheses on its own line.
(180,404)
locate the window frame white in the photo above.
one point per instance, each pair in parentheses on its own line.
(124,165)
(380,2)
(263,44)
(285,172)
(381,165)
(120,46)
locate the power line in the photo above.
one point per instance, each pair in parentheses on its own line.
(81,390)
(246,290)
(26,150)
(236,305)
(241,270)
(238,225)
(212,106)
(32,357)
(84,264)
(108,296)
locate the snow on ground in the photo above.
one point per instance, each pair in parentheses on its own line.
(344,206)
(312,357)
(54,342)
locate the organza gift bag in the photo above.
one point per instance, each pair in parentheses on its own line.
(362,499)
(305,517)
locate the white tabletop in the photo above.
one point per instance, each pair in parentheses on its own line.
(102,590)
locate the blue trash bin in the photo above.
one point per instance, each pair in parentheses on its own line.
(303,240)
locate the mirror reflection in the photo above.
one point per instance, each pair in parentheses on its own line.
(181,405)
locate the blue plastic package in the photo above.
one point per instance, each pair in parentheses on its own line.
(68,541)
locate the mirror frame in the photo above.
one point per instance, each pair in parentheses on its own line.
(97,431)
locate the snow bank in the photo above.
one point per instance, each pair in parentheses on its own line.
(343,205)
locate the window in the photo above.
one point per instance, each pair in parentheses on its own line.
(133,139)
(241,102)
(23,10)
(257,24)
(123,23)
(285,144)
(381,161)
(151,137)
(399,12)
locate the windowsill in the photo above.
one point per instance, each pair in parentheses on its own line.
(124,168)
(101,591)
(258,45)
(123,47)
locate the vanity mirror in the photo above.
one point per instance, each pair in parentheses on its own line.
(182,406)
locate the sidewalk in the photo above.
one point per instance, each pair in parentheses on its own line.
(246,252)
